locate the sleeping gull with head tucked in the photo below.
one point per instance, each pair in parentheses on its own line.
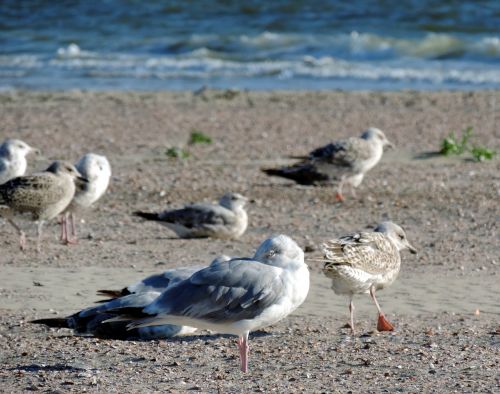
(44,195)
(345,161)
(365,262)
(237,296)
(93,320)
(227,220)
(97,170)
(13,159)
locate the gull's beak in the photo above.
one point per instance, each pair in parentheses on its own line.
(390,145)
(411,249)
(82,179)
(36,151)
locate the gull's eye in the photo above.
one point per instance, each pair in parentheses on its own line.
(401,236)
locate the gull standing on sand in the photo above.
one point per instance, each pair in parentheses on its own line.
(345,161)
(237,296)
(13,159)
(227,220)
(97,170)
(44,195)
(365,262)
(138,295)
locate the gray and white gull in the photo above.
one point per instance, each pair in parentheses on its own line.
(235,297)
(92,320)
(97,170)
(227,220)
(13,162)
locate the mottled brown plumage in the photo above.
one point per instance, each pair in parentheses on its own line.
(44,195)
(373,253)
(344,161)
(365,262)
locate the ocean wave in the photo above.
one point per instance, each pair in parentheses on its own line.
(204,64)
(430,46)
(360,45)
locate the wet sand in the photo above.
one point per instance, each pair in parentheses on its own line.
(445,304)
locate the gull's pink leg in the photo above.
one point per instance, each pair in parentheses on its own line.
(243,347)
(63,228)
(383,324)
(65,237)
(353,191)
(73,240)
(22,235)
(351,310)
(39,237)
(22,241)
(339,197)
(73,227)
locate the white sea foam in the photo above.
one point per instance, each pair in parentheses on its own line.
(355,56)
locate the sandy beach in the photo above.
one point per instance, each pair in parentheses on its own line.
(445,304)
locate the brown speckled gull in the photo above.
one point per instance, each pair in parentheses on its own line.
(44,195)
(365,262)
(344,161)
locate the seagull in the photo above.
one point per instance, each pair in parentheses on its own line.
(13,158)
(227,219)
(96,169)
(237,296)
(137,295)
(365,262)
(45,195)
(346,161)
(92,320)
(159,282)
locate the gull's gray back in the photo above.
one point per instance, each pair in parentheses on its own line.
(199,215)
(226,292)
(159,282)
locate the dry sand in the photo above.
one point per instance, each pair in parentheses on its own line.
(445,304)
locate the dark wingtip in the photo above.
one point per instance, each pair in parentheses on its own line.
(147,215)
(273,171)
(113,293)
(59,322)
(298,157)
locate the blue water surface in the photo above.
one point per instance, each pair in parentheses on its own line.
(153,45)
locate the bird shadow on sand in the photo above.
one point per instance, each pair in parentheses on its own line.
(180,339)
(43,367)
(428,155)
(212,337)
(291,185)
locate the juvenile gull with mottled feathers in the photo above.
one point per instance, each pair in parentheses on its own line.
(44,195)
(365,262)
(344,161)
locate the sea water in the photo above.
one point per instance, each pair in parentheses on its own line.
(260,44)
